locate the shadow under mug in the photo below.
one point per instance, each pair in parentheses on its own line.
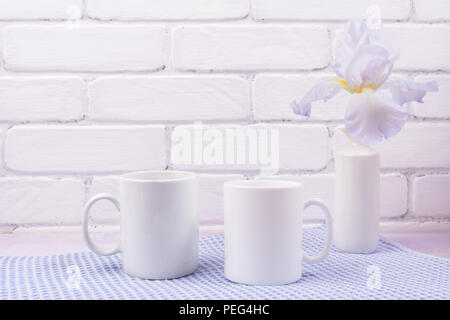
(158,224)
(263,231)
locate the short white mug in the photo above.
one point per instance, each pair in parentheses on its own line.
(263,231)
(158,224)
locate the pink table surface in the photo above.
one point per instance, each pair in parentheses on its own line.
(31,243)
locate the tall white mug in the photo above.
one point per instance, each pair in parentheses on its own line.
(263,231)
(158,224)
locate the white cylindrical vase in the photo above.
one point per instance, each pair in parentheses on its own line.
(357,198)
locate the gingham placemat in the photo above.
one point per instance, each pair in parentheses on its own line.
(392,272)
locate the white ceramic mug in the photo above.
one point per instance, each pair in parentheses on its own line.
(263,231)
(158,224)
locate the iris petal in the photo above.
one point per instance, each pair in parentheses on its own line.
(404,90)
(373,116)
(355,36)
(323,90)
(369,67)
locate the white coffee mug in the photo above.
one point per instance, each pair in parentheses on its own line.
(263,231)
(158,224)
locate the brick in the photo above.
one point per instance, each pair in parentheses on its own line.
(436,104)
(85,48)
(431,196)
(243,48)
(2,139)
(273,95)
(2,27)
(69,149)
(436,10)
(25,201)
(267,147)
(167,9)
(418,145)
(421,47)
(393,193)
(211,197)
(327,10)
(104,212)
(170,98)
(39,9)
(36,98)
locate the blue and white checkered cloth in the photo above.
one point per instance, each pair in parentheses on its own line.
(392,272)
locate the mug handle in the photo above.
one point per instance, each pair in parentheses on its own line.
(324,253)
(87,237)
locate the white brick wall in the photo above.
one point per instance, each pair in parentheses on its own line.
(438,10)
(82,101)
(38,9)
(273,94)
(421,47)
(104,212)
(2,138)
(167,9)
(27,201)
(33,99)
(170,98)
(418,145)
(71,149)
(84,48)
(327,9)
(436,104)
(247,48)
(431,195)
